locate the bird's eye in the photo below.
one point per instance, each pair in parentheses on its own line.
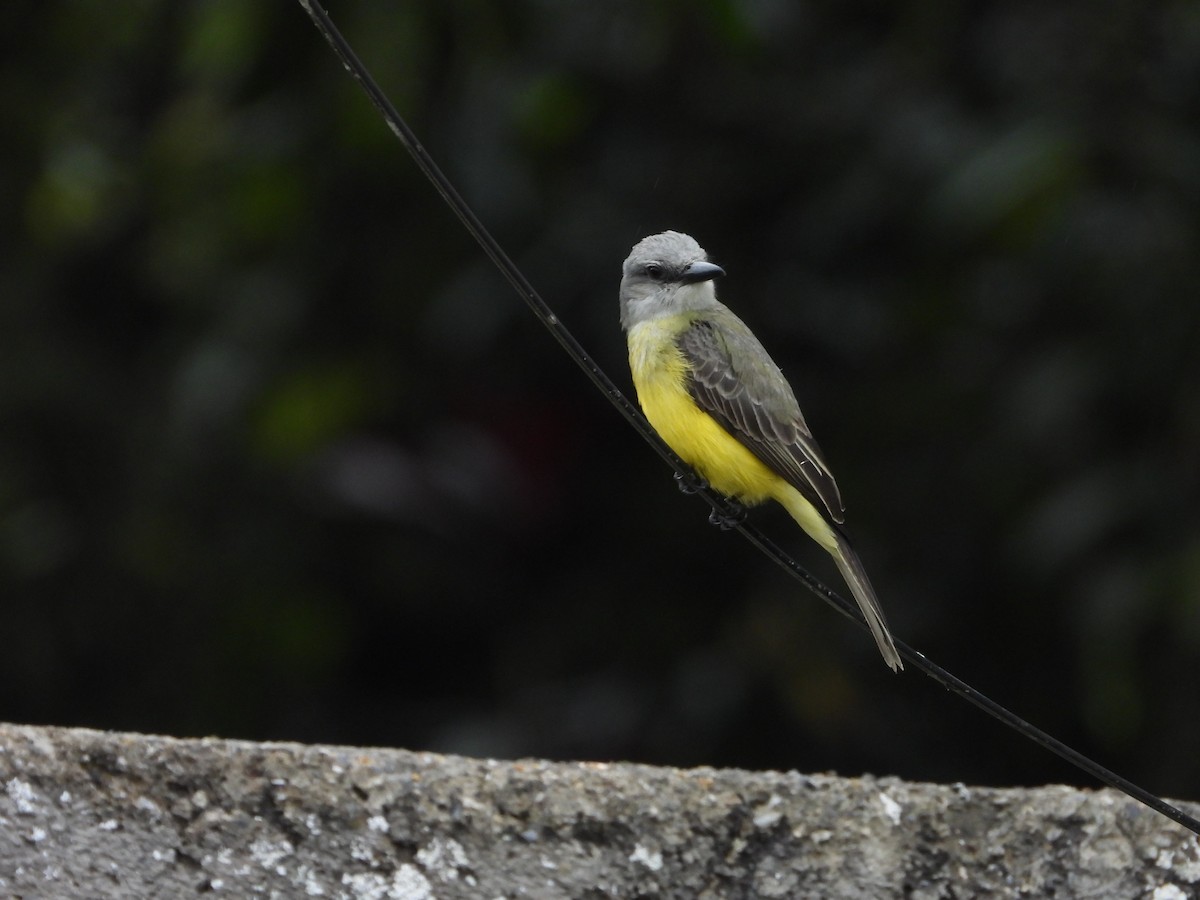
(654,270)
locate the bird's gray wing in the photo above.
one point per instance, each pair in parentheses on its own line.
(736,382)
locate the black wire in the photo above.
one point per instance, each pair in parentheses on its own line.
(964,690)
(522,286)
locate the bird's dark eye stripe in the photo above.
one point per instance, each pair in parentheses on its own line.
(654,270)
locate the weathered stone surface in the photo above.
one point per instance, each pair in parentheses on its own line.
(88,814)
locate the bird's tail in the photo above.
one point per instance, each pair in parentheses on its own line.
(829,537)
(860,586)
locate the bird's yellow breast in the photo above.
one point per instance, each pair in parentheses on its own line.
(660,373)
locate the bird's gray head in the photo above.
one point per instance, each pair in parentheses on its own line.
(666,274)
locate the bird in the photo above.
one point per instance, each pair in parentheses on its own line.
(712,392)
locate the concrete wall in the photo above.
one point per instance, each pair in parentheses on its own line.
(86,814)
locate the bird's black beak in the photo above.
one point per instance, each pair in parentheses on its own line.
(700,271)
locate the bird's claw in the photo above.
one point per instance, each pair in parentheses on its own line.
(733,515)
(727,517)
(690,483)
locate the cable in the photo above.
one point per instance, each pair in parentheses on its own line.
(971,695)
(721,508)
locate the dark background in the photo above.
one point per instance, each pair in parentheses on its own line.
(282,456)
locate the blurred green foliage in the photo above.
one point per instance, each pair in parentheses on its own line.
(281,456)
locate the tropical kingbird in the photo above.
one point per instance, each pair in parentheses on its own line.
(714,395)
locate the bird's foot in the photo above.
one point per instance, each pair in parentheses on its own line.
(733,515)
(690,483)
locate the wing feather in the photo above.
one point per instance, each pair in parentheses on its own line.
(736,382)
